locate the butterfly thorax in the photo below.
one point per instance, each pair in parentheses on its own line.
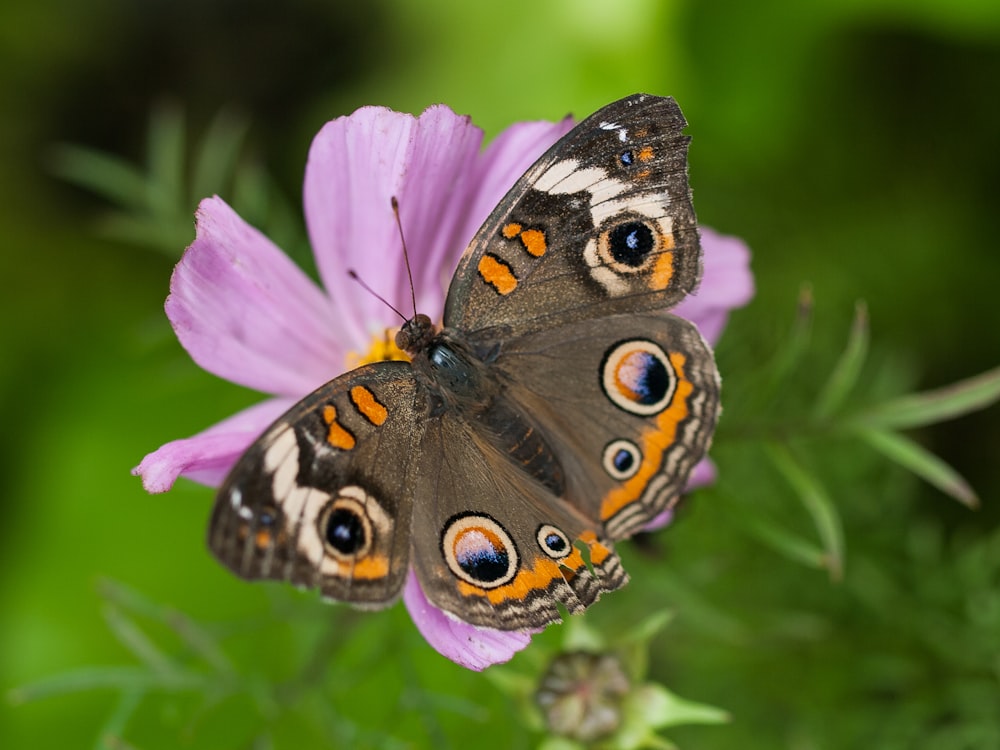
(446,367)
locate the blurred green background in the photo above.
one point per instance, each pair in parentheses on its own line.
(854,145)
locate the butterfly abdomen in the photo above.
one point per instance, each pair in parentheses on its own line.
(511,432)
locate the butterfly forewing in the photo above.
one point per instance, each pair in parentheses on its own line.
(321,499)
(601,224)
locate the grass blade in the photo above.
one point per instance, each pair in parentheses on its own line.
(109,176)
(789,357)
(787,543)
(110,736)
(215,161)
(131,637)
(194,636)
(166,197)
(926,408)
(817,503)
(911,455)
(845,374)
(96,678)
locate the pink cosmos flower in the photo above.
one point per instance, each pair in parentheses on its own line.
(245,312)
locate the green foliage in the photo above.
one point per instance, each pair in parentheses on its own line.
(776,419)
(153,206)
(821,593)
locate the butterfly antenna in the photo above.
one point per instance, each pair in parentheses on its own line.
(406,254)
(364,285)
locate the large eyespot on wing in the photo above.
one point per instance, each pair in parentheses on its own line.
(479,551)
(637,375)
(601,224)
(321,499)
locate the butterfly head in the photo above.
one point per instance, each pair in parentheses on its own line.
(416,334)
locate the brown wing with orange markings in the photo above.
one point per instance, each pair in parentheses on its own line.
(601,224)
(628,405)
(498,548)
(321,499)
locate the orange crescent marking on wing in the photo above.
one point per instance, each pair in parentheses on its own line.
(653,443)
(623,387)
(645,153)
(534,242)
(663,271)
(337,436)
(598,552)
(498,274)
(368,405)
(370,568)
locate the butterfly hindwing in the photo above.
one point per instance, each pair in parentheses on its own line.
(628,404)
(494,547)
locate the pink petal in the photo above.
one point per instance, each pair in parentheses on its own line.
(247,313)
(702,475)
(208,456)
(508,156)
(726,283)
(356,165)
(472,647)
(661,520)
(711,324)
(440,181)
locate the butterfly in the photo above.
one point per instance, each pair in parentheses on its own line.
(559,408)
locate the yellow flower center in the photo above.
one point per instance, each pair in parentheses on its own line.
(382,349)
